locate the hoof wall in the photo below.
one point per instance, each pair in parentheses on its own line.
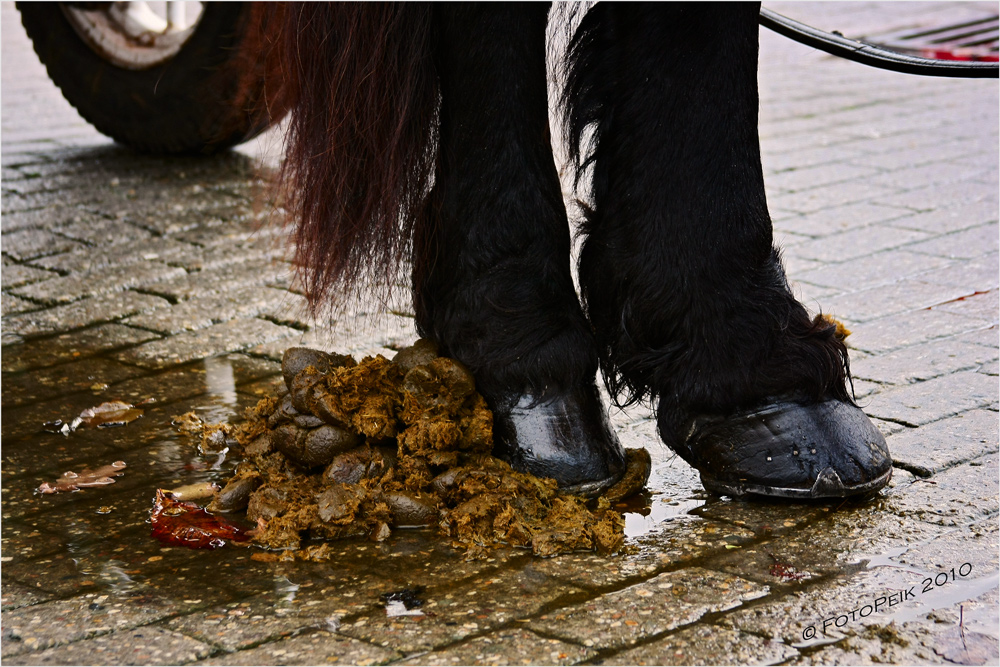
(790,450)
(565,437)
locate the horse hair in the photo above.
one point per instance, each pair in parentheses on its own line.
(361,146)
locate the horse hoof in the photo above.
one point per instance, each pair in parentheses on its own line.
(565,437)
(787,449)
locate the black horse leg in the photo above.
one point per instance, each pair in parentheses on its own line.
(680,276)
(492,280)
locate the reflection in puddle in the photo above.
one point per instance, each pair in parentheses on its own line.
(220,385)
(661,506)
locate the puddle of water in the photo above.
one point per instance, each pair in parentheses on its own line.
(220,385)
(674,501)
(948,596)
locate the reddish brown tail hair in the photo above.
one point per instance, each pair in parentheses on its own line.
(360,83)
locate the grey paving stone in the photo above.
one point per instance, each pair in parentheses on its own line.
(934,197)
(92,283)
(965,244)
(681,540)
(976,544)
(315,648)
(642,611)
(874,270)
(514,646)
(912,328)
(815,199)
(240,625)
(943,444)
(978,274)
(104,232)
(82,313)
(951,219)
(256,247)
(127,252)
(18,595)
(836,219)
(232,336)
(929,401)
(792,617)
(803,178)
(461,610)
(796,265)
(761,519)
(889,299)
(229,277)
(775,162)
(843,539)
(233,226)
(10,305)
(22,220)
(987,337)
(923,362)
(73,346)
(64,621)
(980,305)
(27,202)
(706,645)
(857,243)
(954,497)
(27,244)
(922,176)
(904,644)
(147,645)
(203,311)
(15,275)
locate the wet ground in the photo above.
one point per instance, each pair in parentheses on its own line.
(164,283)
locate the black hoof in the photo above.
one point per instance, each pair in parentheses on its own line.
(566,437)
(789,450)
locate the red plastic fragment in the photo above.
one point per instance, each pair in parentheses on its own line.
(186,524)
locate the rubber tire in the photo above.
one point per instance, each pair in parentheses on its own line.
(182,106)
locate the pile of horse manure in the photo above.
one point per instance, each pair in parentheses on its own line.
(353,449)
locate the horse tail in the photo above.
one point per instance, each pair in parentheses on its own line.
(362,90)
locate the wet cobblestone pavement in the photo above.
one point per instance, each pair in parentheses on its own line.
(165,281)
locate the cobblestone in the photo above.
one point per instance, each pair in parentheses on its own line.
(141,646)
(856,243)
(662,603)
(935,399)
(111,279)
(25,245)
(201,312)
(879,269)
(706,645)
(311,649)
(15,275)
(63,621)
(923,362)
(183,285)
(237,334)
(511,647)
(81,313)
(953,497)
